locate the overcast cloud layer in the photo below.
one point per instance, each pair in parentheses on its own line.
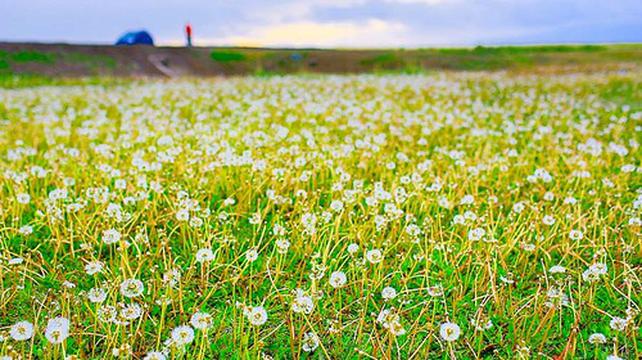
(326,23)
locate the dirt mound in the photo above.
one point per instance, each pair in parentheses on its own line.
(140,60)
(97,60)
(88,60)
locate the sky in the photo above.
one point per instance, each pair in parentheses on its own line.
(326,23)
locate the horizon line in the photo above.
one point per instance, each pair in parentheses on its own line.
(311,47)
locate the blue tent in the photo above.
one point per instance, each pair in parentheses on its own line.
(136,38)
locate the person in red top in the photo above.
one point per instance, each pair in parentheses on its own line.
(188,33)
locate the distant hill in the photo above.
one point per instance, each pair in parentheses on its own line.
(66,60)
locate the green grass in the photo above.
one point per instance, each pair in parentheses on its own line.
(381,162)
(624,92)
(10,80)
(503,57)
(22,57)
(227,56)
(514,50)
(28,57)
(93,62)
(382,60)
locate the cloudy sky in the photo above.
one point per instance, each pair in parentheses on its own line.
(326,23)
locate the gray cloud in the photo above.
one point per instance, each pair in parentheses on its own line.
(424,22)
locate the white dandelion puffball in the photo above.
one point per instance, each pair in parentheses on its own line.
(597,338)
(155,355)
(57,330)
(310,342)
(131,288)
(23,198)
(353,248)
(21,331)
(337,279)
(449,331)
(111,236)
(257,315)
(201,320)
(251,255)
(204,255)
(182,335)
(388,293)
(374,256)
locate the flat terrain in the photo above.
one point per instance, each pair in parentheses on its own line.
(446,215)
(396,215)
(85,60)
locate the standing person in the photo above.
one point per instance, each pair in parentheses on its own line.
(188,33)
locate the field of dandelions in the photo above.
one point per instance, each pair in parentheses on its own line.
(434,216)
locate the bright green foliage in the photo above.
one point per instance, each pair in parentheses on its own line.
(227,56)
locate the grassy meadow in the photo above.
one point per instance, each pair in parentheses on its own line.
(459,215)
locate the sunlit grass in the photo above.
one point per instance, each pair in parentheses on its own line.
(478,215)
